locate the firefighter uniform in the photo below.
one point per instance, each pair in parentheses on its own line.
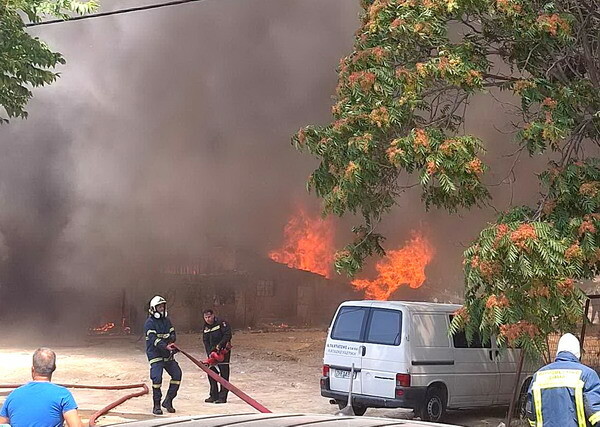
(160,333)
(564,393)
(218,335)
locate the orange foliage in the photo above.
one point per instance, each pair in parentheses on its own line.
(566,286)
(552,23)
(587,227)
(380,116)
(475,166)
(574,251)
(421,138)
(589,189)
(365,79)
(463,314)
(522,234)
(497,301)
(513,331)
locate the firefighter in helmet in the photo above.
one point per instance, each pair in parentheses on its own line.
(160,349)
(565,392)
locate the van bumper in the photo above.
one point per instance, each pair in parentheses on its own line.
(411,398)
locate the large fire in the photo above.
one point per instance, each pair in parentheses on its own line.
(405,266)
(308,244)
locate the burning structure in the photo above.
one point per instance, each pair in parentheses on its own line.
(250,290)
(247,289)
(292,286)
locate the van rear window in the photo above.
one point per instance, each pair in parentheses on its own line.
(348,325)
(385,327)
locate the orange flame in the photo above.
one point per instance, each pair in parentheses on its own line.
(104,328)
(308,244)
(405,266)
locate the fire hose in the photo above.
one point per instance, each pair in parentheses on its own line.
(94,417)
(239,393)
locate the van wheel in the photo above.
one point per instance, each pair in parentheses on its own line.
(358,409)
(434,407)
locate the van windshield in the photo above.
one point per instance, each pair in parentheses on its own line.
(349,324)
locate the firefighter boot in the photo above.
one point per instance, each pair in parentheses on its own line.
(156,395)
(168,404)
(171,394)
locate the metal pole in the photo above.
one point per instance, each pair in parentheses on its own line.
(584,323)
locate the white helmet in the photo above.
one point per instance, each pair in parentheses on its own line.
(155,302)
(570,343)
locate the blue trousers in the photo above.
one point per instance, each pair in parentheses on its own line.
(156,371)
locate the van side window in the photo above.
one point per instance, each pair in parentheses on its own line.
(460,340)
(385,327)
(430,330)
(348,325)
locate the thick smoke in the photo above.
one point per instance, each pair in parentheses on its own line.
(169,133)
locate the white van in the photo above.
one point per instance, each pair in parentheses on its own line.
(404,357)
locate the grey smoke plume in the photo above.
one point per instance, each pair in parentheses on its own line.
(169,132)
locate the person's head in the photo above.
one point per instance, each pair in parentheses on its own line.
(209,316)
(158,307)
(44,363)
(569,343)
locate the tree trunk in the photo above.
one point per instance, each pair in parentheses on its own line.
(516,389)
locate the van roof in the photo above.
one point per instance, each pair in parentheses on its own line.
(411,305)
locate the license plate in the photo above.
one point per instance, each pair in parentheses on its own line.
(343,374)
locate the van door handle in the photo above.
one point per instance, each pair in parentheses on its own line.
(494,354)
(363,350)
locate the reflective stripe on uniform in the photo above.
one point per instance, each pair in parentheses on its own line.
(175,382)
(537,401)
(557,378)
(595,418)
(149,331)
(156,385)
(579,404)
(172,329)
(531,423)
(156,359)
(156,341)
(163,335)
(207,330)
(554,378)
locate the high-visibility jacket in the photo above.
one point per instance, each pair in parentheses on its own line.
(159,333)
(564,393)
